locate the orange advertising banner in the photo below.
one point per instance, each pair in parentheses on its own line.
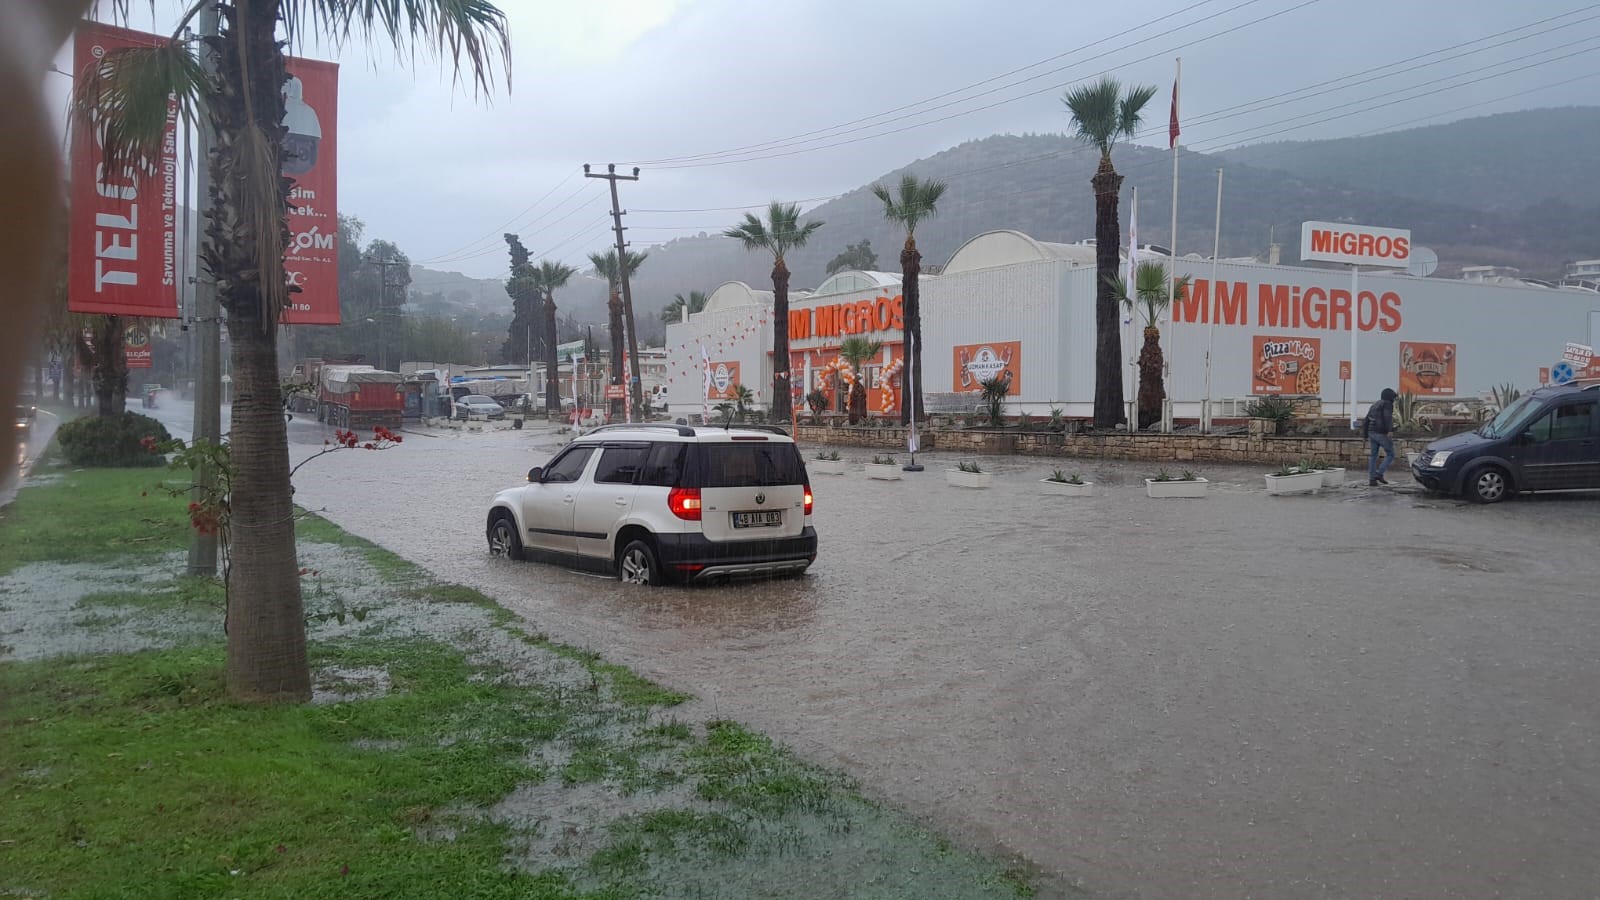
(122,239)
(1286,365)
(310,159)
(724,376)
(977,363)
(1427,369)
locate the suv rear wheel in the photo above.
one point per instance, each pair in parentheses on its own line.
(639,564)
(1489,484)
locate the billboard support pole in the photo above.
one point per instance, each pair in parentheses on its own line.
(1214,305)
(208,329)
(1355,329)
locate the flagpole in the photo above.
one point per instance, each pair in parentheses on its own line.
(1212,303)
(1131,381)
(1172,267)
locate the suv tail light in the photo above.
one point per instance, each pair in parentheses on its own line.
(809,501)
(685,503)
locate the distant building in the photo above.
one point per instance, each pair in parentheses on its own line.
(1584,269)
(1489,274)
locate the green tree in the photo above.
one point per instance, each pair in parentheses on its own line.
(858,351)
(695,302)
(917,201)
(547,279)
(1101,114)
(125,97)
(779,234)
(1149,300)
(855,256)
(605,265)
(521,345)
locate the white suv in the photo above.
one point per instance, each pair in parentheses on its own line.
(662,503)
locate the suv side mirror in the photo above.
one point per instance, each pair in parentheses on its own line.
(534,474)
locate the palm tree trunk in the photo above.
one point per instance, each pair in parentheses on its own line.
(110,366)
(637,395)
(614,308)
(911,290)
(1152,392)
(265,620)
(552,374)
(781,401)
(1108,345)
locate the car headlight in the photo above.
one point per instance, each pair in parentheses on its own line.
(1439,458)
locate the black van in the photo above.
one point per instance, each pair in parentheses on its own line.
(1548,440)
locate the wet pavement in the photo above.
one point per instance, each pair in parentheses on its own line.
(1363,693)
(26,445)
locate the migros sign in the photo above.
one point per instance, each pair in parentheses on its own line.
(1362,245)
(1287,306)
(861,317)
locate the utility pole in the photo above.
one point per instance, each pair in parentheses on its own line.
(622,274)
(208,328)
(383,306)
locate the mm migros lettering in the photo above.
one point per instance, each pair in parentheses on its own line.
(1288,306)
(861,317)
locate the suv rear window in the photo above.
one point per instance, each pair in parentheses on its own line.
(747,464)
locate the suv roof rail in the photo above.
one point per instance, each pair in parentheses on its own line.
(682,430)
(770,429)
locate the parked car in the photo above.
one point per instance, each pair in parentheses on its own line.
(478,405)
(655,504)
(27,406)
(1548,440)
(24,418)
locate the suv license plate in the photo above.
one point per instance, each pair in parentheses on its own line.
(764,519)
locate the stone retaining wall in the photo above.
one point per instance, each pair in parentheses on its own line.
(1255,447)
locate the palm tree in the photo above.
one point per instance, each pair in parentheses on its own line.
(779,234)
(605,265)
(546,279)
(124,97)
(1102,113)
(1149,298)
(858,351)
(695,302)
(918,200)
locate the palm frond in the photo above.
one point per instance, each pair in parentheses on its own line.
(124,97)
(605,265)
(552,275)
(779,234)
(1094,112)
(1149,290)
(470,35)
(1129,112)
(918,201)
(751,233)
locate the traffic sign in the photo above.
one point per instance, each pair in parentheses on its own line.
(1344,370)
(616,392)
(1579,355)
(1562,373)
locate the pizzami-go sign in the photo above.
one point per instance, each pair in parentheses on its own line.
(1362,245)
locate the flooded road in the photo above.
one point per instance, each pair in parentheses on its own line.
(1363,693)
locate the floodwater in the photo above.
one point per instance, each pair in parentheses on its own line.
(1363,693)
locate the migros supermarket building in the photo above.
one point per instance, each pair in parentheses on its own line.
(1005,302)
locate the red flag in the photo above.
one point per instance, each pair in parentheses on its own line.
(1172,122)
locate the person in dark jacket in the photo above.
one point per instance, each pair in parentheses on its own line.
(1379,428)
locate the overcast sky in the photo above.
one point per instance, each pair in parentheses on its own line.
(645,82)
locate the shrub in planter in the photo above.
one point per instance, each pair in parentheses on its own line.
(883,468)
(118,441)
(969,475)
(1184,485)
(1276,410)
(828,462)
(1301,479)
(1062,484)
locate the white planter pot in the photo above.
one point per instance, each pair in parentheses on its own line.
(889,472)
(958,478)
(1169,490)
(827,466)
(1303,483)
(1066,489)
(1333,478)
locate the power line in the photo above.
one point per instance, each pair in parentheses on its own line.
(988,106)
(496,232)
(871,118)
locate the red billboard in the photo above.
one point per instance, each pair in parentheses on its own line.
(310,160)
(122,244)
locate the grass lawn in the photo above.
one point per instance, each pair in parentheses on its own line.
(450,752)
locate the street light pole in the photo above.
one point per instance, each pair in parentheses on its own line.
(208,331)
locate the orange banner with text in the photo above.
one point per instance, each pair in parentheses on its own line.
(724,377)
(1286,365)
(1427,369)
(977,363)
